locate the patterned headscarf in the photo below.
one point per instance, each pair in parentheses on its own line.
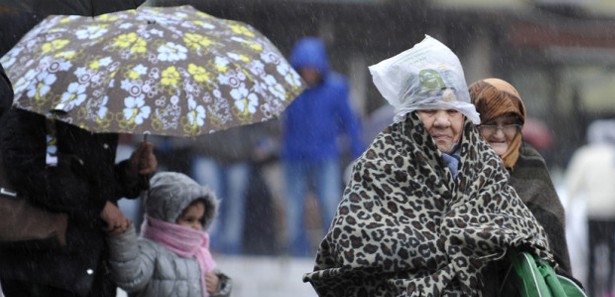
(494,97)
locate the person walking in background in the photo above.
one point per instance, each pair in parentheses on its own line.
(502,115)
(428,208)
(591,176)
(172,257)
(311,127)
(223,160)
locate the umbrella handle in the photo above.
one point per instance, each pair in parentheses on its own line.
(145,178)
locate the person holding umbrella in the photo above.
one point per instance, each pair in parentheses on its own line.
(124,72)
(85,183)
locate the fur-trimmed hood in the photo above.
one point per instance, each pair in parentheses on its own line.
(171,192)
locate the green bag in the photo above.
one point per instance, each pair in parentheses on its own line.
(534,277)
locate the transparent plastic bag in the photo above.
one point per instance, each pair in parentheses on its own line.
(427,76)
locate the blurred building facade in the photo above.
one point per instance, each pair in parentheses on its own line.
(559,53)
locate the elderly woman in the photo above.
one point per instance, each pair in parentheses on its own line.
(428,206)
(502,117)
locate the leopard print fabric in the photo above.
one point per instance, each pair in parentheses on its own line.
(406,227)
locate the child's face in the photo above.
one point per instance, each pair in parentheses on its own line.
(192,216)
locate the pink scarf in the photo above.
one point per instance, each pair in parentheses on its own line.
(183,241)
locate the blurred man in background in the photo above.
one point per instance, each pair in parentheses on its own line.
(590,176)
(310,151)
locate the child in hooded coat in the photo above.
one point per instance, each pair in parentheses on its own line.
(171,257)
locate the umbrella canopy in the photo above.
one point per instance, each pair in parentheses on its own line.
(18,17)
(161,70)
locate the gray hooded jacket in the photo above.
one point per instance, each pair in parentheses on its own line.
(145,268)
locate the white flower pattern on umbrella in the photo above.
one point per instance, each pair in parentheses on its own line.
(102,109)
(196,113)
(221,64)
(136,110)
(162,70)
(91,32)
(74,96)
(104,62)
(41,86)
(171,52)
(245,101)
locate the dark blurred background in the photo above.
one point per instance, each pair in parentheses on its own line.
(560,54)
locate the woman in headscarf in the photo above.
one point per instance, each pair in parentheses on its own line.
(502,114)
(428,206)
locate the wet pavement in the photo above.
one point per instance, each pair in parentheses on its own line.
(265,276)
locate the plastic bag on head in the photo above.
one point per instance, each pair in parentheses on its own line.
(427,76)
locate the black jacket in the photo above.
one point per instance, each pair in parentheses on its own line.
(80,185)
(531,179)
(6,92)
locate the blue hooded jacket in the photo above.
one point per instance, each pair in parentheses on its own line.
(315,119)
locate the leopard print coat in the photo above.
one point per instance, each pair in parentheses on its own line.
(406,227)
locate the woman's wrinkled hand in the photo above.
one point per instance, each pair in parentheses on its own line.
(143,161)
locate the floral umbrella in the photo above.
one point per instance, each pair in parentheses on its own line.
(161,70)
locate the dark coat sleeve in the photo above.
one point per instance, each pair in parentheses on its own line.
(62,188)
(85,178)
(6,92)
(532,181)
